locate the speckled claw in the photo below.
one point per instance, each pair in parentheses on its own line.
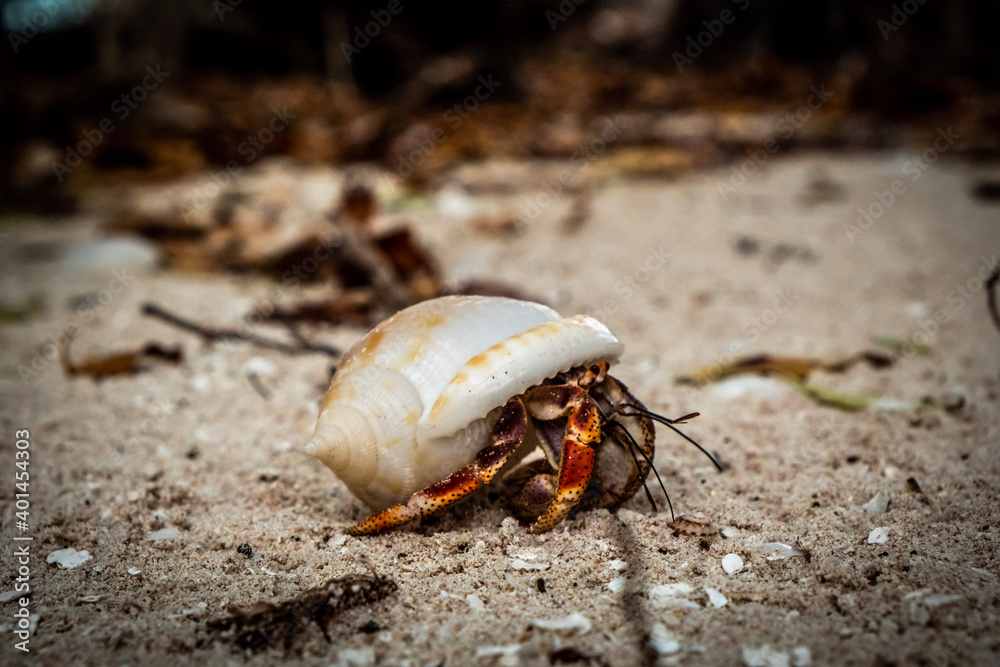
(576,464)
(508,433)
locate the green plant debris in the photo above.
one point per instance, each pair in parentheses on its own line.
(903,345)
(796,370)
(31,307)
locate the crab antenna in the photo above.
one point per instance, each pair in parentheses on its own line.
(669,423)
(634,447)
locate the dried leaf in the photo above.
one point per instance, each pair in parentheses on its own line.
(358,204)
(122,363)
(793,368)
(413,264)
(797,370)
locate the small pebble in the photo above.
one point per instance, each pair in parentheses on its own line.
(732,563)
(879,536)
(663,641)
(475,602)
(716,599)
(919,614)
(103,258)
(261,366)
(490,651)
(628,516)
(575,621)
(777,551)
(939,599)
(878,504)
(169,533)
(454,202)
(670,590)
(134,571)
(350,657)
(68,558)
(801,656)
(764,656)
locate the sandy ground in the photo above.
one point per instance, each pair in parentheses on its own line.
(197,449)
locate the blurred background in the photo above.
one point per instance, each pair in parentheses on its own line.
(162,118)
(409,141)
(369,82)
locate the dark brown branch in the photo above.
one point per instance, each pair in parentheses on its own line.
(301,345)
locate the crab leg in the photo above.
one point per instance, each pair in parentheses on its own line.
(508,433)
(583,427)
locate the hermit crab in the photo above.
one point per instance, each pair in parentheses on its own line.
(432,403)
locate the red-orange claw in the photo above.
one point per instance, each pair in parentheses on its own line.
(390,518)
(423,503)
(574,475)
(507,435)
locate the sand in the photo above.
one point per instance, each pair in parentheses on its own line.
(686,277)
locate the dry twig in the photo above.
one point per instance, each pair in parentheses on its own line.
(301,345)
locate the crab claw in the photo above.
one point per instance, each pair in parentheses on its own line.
(576,464)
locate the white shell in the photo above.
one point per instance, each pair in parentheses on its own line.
(415,399)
